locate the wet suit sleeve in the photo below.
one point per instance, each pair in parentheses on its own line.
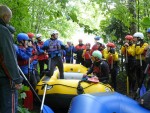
(90,70)
(140,50)
(45,45)
(8,56)
(25,54)
(104,70)
(62,45)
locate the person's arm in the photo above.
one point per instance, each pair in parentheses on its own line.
(8,55)
(104,70)
(25,54)
(90,70)
(46,45)
(62,45)
(140,50)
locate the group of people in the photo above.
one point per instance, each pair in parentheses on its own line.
(137,59)
(27,53)
(102,61)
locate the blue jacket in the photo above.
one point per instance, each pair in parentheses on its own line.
(69,52)
(53,47)
(23,56)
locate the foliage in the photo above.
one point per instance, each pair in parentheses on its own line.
(22,96)
(42,16)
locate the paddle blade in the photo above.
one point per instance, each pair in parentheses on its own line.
(142,90)
(47,109)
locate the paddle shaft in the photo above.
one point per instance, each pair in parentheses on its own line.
(45,89)
(139,88)
(29,84)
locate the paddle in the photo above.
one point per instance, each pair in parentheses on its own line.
(46,109)
(141,89)
(126,61)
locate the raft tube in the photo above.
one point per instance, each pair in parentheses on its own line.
(111,102)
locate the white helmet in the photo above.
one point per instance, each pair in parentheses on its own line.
(99,41)
(138,35)
(38,35)
(54,32)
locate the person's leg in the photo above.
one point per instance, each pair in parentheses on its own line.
(52,65)
(60,67)
(77,61)
(67,61)
(41,65)
(113,78)
(45,62)
(9,97)
(138,73)
(82,61)
(33,79)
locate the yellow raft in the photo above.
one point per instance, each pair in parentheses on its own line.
(60,91)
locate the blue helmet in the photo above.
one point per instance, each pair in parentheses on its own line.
(148,30)
(97,37)
(22,36)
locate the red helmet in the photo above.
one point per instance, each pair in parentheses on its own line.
(110,44)
(30,35)
(129,37)
(88,44)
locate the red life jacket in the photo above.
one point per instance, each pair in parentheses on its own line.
(94,48)
(80,47)
(79,50)
(96,70)
(34,53)
(87,54)
(42,56)
(110,60)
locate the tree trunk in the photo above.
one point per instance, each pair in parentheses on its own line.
(132,10)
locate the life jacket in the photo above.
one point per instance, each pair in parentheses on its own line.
(79,50)
(54,48)
(98,70)
(87,54)
(110,60)
(34,52)
(40,43)
(42,56)
(54,45)
(95,47)
(23,62)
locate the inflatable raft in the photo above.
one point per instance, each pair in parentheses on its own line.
(111,102)
(61,91)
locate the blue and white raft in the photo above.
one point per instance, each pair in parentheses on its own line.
(112,102)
